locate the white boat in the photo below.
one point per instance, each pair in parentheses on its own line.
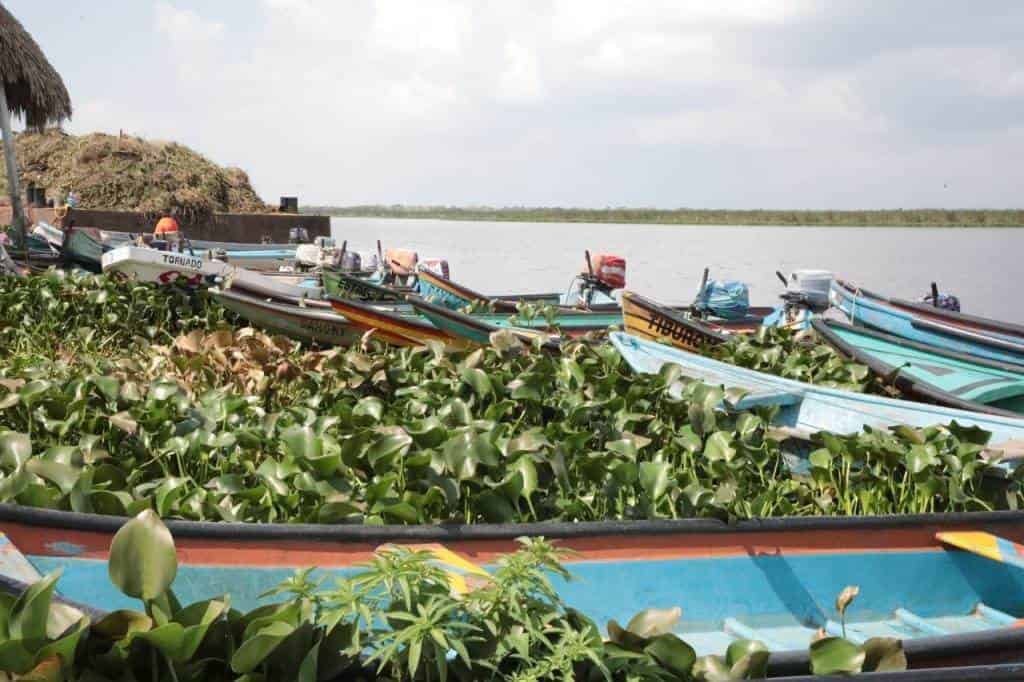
(185,269)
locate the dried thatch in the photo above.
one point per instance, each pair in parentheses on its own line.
(123,172)
(34,89)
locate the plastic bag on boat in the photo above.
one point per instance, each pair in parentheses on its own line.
(728,300)
(402,262)
(608,269)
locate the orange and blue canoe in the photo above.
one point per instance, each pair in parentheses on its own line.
(774,580)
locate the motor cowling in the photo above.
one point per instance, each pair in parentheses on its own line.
(810,288)
(608,269)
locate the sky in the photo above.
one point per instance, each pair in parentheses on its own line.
(842,104)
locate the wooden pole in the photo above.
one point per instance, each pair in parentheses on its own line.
(17,210)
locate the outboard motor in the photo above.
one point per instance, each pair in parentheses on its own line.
(943,301)
(607,270)
(298,235)
(808,288)
(351,262)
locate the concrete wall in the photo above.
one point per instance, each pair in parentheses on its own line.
(223,227)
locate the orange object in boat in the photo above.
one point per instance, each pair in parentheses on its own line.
(166,225)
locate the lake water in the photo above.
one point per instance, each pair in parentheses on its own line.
(980,266)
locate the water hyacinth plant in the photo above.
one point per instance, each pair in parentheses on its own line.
(801,356)
(396,619)
(197,419)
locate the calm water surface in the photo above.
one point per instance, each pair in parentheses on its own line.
(981,266)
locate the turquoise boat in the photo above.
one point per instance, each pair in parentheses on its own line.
(773,580)
(478,327)
(969,334)
(806,408)
(455,296)
(931,374)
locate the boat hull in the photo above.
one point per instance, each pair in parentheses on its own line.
(345,285)
(810,408)
(930,374)
(449,294)
(646,319)
(776,576)
(315,325)
(874,311)
(392,327)
(183,269)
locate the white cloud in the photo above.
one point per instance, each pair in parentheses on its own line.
(185,26)
(417,26)
(521,79)
(564,101)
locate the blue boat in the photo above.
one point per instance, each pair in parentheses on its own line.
(772,580)
(930,374)
(807,408)
(978,336)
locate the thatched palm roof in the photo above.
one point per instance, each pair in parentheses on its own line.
(33,87)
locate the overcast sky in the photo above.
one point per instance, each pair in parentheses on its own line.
(667,103)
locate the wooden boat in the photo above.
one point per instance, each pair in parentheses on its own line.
(681,328)
(806,408)
(84,247)
(477,328)
(291,317)
(968,334)
(351,286)
(774,580)
(183,269)
(392,327)
(931,374)
(450,294)
(649,320)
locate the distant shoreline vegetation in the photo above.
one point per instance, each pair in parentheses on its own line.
(685,216)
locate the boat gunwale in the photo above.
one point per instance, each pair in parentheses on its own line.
(697,325)
(452,287)
(396,319)
(81,521)
(862,298)
(924,347)
(387,293)
(285,305)
(481,326)
(906,383)
(910,307)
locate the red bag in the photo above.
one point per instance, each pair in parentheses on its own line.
(609,270)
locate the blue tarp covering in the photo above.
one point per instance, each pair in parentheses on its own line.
(724,299)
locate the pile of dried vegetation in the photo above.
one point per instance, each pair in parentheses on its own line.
(130,173)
